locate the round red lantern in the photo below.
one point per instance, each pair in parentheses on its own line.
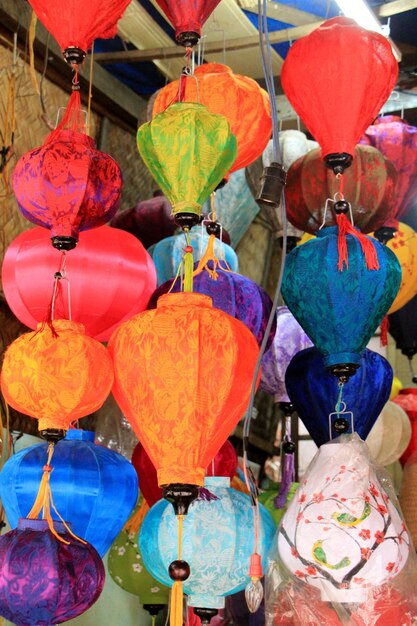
(369,186)
(337,78)
(111,278)
(238,98)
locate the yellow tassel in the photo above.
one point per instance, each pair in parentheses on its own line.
(153,620)
(134,523)
(176,611)
(31,35)
(188,265)
(44,501)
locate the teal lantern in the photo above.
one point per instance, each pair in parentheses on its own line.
(339,310)
(218,540)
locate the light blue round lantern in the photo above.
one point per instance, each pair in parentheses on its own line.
(167,253)
(94,488)
(218,540)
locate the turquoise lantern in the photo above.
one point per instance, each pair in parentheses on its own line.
(94,488)
(340,308)
(218,540)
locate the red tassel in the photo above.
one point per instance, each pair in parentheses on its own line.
(73,118)
(368,247)
(384,331)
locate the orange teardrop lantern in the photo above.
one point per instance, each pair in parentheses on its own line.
(183,375)
(404,246)
(57,375)
(239,98)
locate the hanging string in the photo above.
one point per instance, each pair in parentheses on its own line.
(177,596)
(31,40)
(90,90)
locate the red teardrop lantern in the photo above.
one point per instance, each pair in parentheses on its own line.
(337,78)
(75,26)
(187,17)
(397,141)
(66,185)
(369,186)
(111,278)
(238,98)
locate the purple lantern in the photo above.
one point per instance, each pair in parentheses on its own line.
(44,581)
(288,340)
(232,293)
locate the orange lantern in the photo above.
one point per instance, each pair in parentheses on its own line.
(404,246)
(56,374)
(239,98)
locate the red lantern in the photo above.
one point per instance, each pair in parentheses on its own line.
(398,142)
(111,278)
(337,78)
(67,185)
(223,464)
(187,17)
(238,98)
(369,186)
(75,26)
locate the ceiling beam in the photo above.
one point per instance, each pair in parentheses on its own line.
(395,7)
(281,12)
(240,43)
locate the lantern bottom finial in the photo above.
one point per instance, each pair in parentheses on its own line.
(385,234)
(205,614)
(272,183)
(63,242)
(181,496)
(186,220)
(338,162)
(153,609)
(343,371)
(74,55)
(188,38)
(52,435)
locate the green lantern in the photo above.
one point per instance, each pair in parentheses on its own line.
(127,569)
(267,499)
(188,151)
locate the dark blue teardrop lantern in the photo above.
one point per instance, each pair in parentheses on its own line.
(339,310)
(93,488)
(314,392)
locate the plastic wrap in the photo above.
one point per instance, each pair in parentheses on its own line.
(342,554)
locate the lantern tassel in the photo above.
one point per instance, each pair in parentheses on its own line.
(44,501)
(177,596)
(73,118)
(287,477)
(384,331)
(134,523)
(368,248)
(188,261)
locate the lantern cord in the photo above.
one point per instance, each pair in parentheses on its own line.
(31,39)
(176,608)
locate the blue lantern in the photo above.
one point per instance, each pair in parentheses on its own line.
(167,253)
(218,541)
(339,310)
(94,488)
(314,392)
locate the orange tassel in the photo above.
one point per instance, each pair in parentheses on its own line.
(368,248)
(176,613)
(134,523)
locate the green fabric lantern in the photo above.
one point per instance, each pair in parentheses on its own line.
(127,569)
(188,151)
(268,497)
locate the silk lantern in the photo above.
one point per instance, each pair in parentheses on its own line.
(337,78)
(404,246)
(56,374)
(288,340)
(110,274)
(342,533)
(126,567)
(87,482)
(167,254)
(239,98)
(188,150)
(232,293)
(66,185)
(397,141)
(75,29)
(181,421)
(339,310)
(224,464)
(314,392)
(407,400)
(390,435)
(369,186)
(218,540)
(403,328)
(44,581)
(187,17)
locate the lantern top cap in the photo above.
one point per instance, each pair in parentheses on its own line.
(213,68)
(184,299)
(389,119)
(77,434)
(61,324)
(67,135)
(217,481)
(40,524)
